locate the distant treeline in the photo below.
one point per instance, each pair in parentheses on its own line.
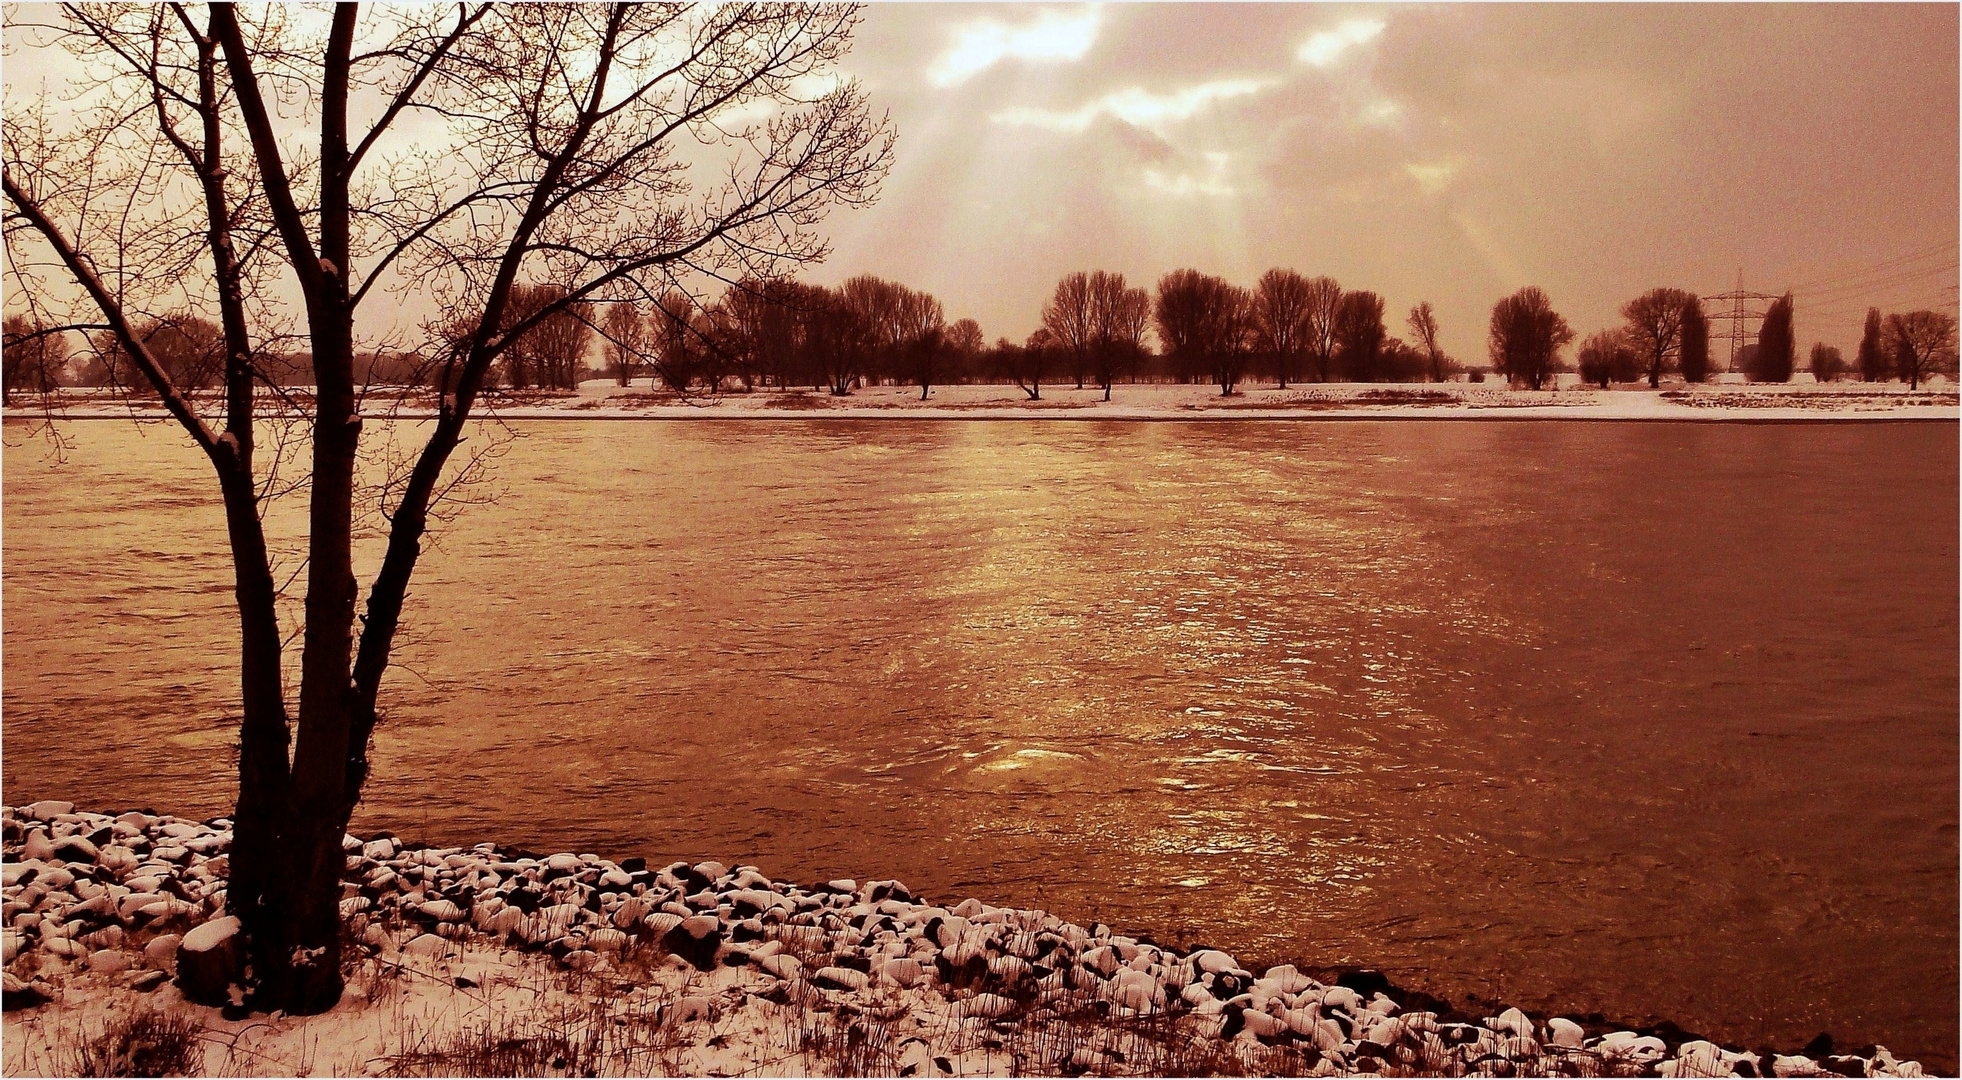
(1097,330)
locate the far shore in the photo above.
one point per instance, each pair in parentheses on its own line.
(604,400)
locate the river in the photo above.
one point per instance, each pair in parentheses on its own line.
(1654,720)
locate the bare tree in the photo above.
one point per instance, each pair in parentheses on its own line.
(1872,357)
(1031,359)
(1360,335)
(1282,316)
(964,348)
(1826,362)
(922,337)
(564,154)
(1205,324)
(1423,327)
(31,356)
(1526,337)
(1324,309)
(552,351)
(1118,318)
(1923,343)
(1655,329)
(626,339)
(1606,357)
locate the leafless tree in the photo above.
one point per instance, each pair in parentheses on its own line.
(552,351)
(965,346)
(626,339)
(922,340)
(1923,343)
(1206,324)
(1324,310)
(1281,313)
(1029,361)
(1067,317)
(1607,357)
(1655,329)
(1123,316)
(1526,337)
(1360,335)
(31,356)
(596,148)
(1423,327)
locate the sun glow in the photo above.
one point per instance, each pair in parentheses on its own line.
(978,45)
(1325,48)
(1135,106)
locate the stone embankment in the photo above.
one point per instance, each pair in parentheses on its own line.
(138,899)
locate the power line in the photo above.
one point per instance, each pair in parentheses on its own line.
(1834,279)
(1900,278)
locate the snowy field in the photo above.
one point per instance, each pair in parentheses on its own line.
(602,399)
(484,962)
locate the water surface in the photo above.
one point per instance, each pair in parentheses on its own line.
(1658,720)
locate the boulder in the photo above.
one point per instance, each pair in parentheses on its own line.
(1564,1032)
(109,961)
(161,952)
(48,809)
(695,939)
(209,959)
(15,994)
(988,1006)
(428,945)
(840,978)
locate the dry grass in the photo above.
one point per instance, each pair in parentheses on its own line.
(141,1044)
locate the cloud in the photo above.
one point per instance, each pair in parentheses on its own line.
(982,43)
(1432,177)
(1186,186)
(1135,106)
(1325,48)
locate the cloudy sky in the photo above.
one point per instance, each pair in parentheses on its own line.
(1442,153)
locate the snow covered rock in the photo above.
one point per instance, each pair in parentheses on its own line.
(209,959)
(695,939)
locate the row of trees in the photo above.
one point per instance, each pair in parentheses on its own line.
(785,333)
(1665,330)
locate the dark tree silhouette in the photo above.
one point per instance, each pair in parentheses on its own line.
(1068,318)
(625,340)
(1826,362)
(1777,351)
(1695,358)
(1324,306)
(1872,358)
(1205,324)
(1119,316)
(1423,328)
(1923,343)
(1281,315)
(31,356)
(1034,357)
(1606,357)
(1526,337)
(1360,335)
(922,338)
(577,124)
(1655,329)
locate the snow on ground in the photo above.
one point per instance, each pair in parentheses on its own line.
(484,962)
(601,399)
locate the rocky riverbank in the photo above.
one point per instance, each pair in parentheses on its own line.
(487,961)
